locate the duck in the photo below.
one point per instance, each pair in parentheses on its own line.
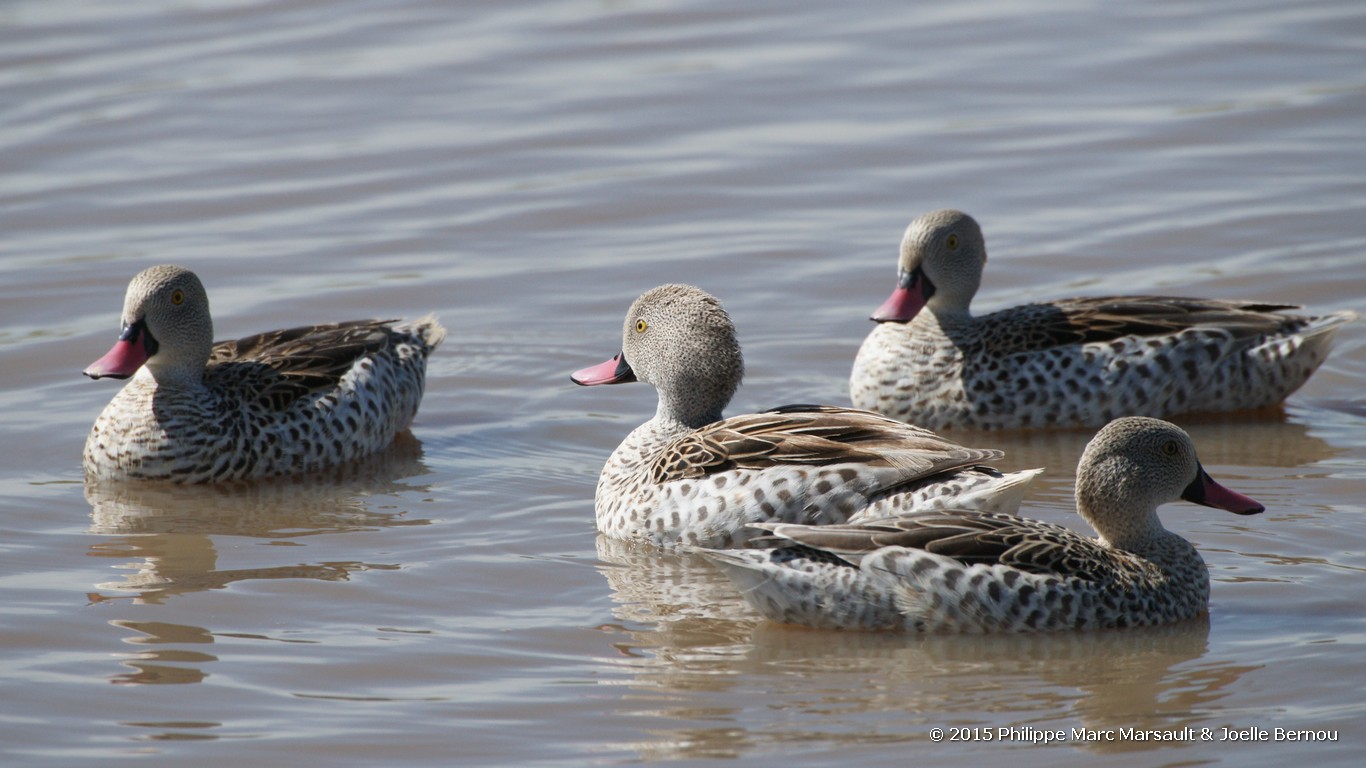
(282,402)
(1067,363)
(960,571)
(690,476)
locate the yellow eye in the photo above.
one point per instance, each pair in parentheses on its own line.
(952,243)
(1169,448)
(177,297)
(641,326)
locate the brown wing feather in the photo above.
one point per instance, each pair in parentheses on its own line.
(282,366)
(812,435)
(972,538)
(1105,318)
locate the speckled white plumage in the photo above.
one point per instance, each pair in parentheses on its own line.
(971,572)
(689,476)
(277,403)
(1067,362)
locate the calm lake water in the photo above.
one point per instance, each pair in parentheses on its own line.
(526,170)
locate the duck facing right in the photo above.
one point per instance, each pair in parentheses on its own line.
(982,572)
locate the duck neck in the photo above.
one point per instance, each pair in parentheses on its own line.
(947,314)
(694,398)
(179,375)
(685,413)
(1145,537)
(1123,517)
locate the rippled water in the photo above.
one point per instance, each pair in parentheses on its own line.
(526,170)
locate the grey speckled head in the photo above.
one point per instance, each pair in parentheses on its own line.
(679,339)
(174,308)
(166,327)
(948,248)
(1134,465)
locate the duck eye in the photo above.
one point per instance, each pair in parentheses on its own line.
(951,243)
(641,326)
(177,297)
(1169,448)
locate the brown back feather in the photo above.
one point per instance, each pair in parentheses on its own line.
(1105,318)
(280,367)
(813,435)
(972,538)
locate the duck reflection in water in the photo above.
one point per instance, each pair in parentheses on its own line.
(164,538)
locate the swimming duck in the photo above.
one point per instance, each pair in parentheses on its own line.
(689,476)
(276,403)
(1067,362)
(974,572)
